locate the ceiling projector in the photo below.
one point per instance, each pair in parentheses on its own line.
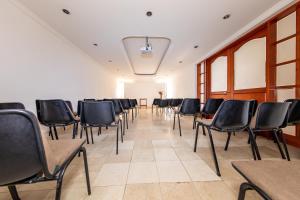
(147,49)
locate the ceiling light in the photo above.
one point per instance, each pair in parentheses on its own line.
(196,46)
(67,12)
(149,13)
(226,16)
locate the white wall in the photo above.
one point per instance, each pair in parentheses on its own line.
(182,83)
(38,63)
(144,89)
(250,65)
(219,74)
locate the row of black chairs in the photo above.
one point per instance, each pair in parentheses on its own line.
(238,116)
(47,160)
(166,104)
(91,113)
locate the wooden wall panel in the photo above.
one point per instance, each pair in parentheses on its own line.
(268,30)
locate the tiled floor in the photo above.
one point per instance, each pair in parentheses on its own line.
(154,162)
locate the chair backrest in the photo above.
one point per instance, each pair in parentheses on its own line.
(132,103)
(70,105)
(232,115)
(294,111)
(163,103)
(54,112)
(272,115)
(100,113)
(89,99)
(135,102)
(21,151)
(11,105)
(211,106)
(117,105)
(190,106)
(176,102)
(79,105)
(125,104)
(253,107)
(156,102)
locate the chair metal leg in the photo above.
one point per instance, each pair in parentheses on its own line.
(194,122)
(178,117)
(284,145)
(55,133)
(253,143)
(50,133)
(92,137)
(86,135)
(117,145)
(278,144)
(99,131)
(120,122)
(132,115)
(174,121)
(203,130)
(13,192)
(59,185)
(123,120)
(86,169)
(196,137)
(214,152)
(81,129)
(126,118)
(74,131)
(243,188)
(227,142)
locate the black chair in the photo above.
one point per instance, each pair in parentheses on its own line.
(126,106)
(12,105)
(89,100)
(55,113)
(271,179)
(272,116)
(155,103)
(175,103)
(28,157)
(232,116)
(119,112)
(132,107)
(136,104)
(294,112)
(189,107)
(209,109)
(99,114)
(163,105)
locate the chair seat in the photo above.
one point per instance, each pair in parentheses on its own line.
(279,179)
(60,151)
(205,121)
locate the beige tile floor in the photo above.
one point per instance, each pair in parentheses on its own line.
(154,162)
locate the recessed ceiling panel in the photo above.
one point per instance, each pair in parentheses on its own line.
(145,54)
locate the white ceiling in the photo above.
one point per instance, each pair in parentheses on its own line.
(185,22)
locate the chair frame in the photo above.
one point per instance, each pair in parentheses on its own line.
(117,124)
(209,127)
(53,125)
(45,175)
(245,186)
